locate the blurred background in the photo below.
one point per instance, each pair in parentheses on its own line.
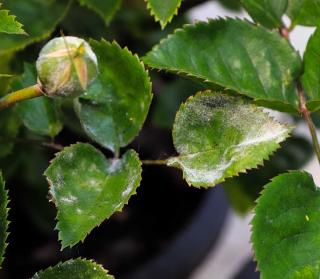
(169,230)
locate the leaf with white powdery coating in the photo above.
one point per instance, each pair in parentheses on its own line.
(87,188)
(218,136)
(163,10)
(266,12)
(4,223)
(116,105)
(237,55)
(74,269)
(286,228)
(106,9)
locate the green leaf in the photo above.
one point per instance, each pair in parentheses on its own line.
(4,223)
(266,12)
(74,269)
(219,136)
(164,10)
(311,76)
(106,9)
(9,128)
(87,188)
(234,54)
(40,18)
(294,153)
(304,12)
(42,114)
(286,228)
(115,107)
(9,24)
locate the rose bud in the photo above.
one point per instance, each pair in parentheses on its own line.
(66,67)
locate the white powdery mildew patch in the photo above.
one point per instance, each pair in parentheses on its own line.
(245,136)
(126,193)
(69,199)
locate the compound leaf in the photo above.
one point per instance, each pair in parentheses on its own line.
(286,228)
(116,105)
(237,55)
(218,136)
(74,269)
(87,188)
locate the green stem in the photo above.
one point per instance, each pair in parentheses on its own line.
(307,117)
(20,95)
(154,162)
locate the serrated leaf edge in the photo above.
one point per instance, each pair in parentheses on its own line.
(95,264)
(257,201)
(171,162)
(195,25)
(57,227)
(13,19)
(7,222)
(39,38)
(157,18)
(147,81)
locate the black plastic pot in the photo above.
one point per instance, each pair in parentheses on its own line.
(189,248)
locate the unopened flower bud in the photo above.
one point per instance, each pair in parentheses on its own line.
(66,66)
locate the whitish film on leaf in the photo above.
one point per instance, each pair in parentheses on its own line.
(219,136)
(87,188)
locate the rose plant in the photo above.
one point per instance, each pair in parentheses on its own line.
(219,133)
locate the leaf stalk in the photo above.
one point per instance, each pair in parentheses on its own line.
(20,95)
(305,113)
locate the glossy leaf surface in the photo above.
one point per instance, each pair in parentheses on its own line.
(266,12)
(234,54)
(164,10)
(74,269)
(219,136)
(311,76)
(41,115)
(115,107)
(87,188)
(286,228)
